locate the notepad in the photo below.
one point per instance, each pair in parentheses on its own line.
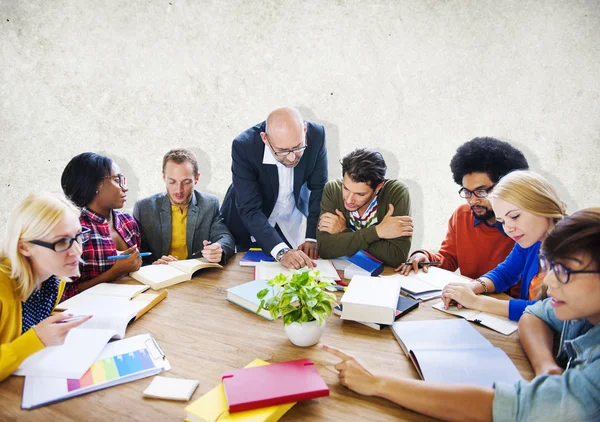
(271,385)
(213,405)
(269,270)
(166,275)
(121,361)
(452,351)
(497,323)
(171,388)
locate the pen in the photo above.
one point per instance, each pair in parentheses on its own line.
(127,255)
(73,318)
(340,288)
(422,264)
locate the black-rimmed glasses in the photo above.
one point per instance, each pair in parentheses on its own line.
(479,193)
(65,243)
(119,178)
(562,273)
(285,152)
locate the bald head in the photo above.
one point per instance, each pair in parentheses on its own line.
(285,128)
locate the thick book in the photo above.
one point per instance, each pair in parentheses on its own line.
(254,256)
(271,385)
(371,299)
(84,343)
(452,351)
(405,305)
(244,295)
(115,293)
(428,285)
(269,270)
(166,275)
(119,362)
(497,323)
(212,406)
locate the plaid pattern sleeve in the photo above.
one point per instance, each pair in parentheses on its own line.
(100,245)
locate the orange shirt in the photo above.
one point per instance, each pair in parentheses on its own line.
(475,249)
(534,285)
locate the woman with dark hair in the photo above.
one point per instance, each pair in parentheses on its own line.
(565,388)
(95,183)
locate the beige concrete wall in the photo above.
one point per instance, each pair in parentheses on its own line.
(414,79)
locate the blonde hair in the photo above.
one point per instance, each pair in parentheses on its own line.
(35,217)
(532,193)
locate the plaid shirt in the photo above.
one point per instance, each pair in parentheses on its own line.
(100,245)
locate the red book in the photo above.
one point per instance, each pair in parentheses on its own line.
(271,385)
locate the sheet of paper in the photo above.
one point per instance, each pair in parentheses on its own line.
(69,360)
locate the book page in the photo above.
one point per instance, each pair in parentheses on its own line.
(497,323)
(269,270)
(190,266)
(105,290)
(438,278)
(154,274)
(469,314)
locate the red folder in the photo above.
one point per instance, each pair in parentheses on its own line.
(270,385)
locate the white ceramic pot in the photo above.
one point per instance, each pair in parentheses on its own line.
(305,334)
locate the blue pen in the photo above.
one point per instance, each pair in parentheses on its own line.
(127,255)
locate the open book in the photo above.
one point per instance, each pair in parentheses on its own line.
(166,275)
(119,362)
(452,351)
(269,270)
(497,323)
(84,343)
(115,293)
(428,285)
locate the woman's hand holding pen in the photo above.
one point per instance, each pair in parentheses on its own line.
(212,251)
(52,332)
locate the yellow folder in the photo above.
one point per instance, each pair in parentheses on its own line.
(212,407)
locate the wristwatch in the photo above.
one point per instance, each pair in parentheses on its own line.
(281,253)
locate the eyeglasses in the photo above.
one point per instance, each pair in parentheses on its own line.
(285,152)
(479,193)
(119,178)
(562,273)
(65,243)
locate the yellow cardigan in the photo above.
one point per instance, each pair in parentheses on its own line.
(14,346)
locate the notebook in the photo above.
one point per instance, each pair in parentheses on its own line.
(84,343)
(121,361)
(166,275)
(244,295)
(213,405)
(171,388)
(428,285)
(269,270)
(452,351)
(275,384)
(254,256)
(371,299)
(497,323)
(405,305)
(116,293)
(366,262)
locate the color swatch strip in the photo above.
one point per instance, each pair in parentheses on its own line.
(111,368)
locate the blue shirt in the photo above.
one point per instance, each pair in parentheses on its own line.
(572,396)
(521,264)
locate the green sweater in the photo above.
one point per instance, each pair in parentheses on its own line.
(391,251)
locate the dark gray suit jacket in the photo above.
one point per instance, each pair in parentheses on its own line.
(204,222)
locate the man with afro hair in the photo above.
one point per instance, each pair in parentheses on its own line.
(475,241)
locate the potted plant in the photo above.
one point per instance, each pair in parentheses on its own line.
(304,301)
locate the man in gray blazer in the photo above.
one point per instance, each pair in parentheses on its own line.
(182,223)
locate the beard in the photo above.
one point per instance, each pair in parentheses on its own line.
(488,215)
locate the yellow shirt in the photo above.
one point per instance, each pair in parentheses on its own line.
(14,346)
(178,246)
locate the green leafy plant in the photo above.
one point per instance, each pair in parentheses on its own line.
(302,297)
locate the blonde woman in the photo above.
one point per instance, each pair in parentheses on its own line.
(528,208)
(42,243)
